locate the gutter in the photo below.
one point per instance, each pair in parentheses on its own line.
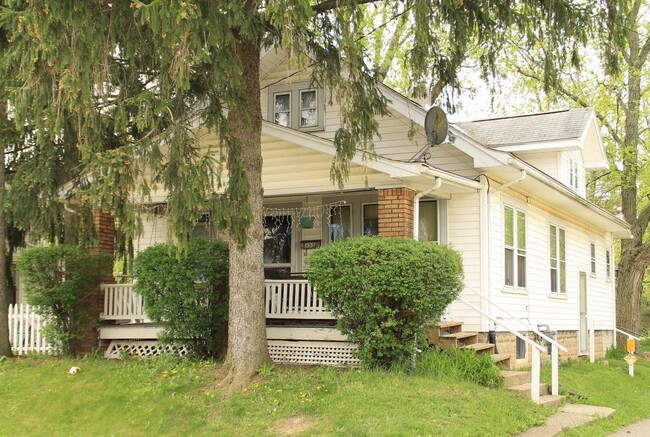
(416,207)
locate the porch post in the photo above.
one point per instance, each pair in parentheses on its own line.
(105,229)
(396,212)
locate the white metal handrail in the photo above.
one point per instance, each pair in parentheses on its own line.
(536,347)
(529,325)
(628,334)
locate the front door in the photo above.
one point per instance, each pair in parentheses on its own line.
(582,333)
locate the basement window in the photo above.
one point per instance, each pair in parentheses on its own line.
(521,348)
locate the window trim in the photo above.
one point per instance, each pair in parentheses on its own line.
(430,200)
(363,217)
(519,341)
(558,277)
(300,108)
(275,95)
(516,249)
(608,265)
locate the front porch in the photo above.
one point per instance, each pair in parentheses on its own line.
(300,330)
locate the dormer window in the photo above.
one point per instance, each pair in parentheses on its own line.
(298,106)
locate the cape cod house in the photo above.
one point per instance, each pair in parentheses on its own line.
(507,193)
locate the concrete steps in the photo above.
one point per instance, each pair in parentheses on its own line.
(519,382)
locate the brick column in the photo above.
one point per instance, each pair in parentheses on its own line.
(105,229)
(396,212)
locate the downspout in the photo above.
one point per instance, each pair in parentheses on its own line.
(521,177)
(416,207)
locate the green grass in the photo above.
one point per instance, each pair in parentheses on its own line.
(165,397)
(610,386)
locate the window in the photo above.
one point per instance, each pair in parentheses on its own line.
(608,264)
(515,247)
(277,246)
(521,348)
(428,221)
(592,250)
(340,223)
(282,109)
(370,220)
(557,240)
(308,109)
(298,106)
(573,173)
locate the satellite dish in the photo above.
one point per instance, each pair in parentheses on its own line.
(435,125)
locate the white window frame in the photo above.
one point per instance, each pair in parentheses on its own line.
(573,173)
(517,250)
(300,109)
(592,259)
(559,262)
(284,93)
(521,343)
(608,264)
(437,202)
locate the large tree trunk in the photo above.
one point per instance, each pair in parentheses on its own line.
(247,347)
(5,347)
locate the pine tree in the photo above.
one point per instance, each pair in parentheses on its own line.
(124,80)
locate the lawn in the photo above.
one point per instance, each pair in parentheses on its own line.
(607,383)
(168,397)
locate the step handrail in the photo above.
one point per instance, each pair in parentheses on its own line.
(627,333)
(536,348)
(529,325)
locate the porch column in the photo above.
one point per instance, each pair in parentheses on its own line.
(105,229)
(396,212)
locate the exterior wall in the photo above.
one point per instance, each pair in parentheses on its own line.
(463,217)
(506,344)
(565,159)
(154,231)
(548,162)
(396,212)
(535,302)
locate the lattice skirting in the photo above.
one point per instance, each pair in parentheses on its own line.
(142,348)
(329,353)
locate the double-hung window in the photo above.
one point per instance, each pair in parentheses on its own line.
(592,255)
(515,247)
(573,173)
(608,264)
(557,246)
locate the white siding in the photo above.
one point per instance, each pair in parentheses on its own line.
(548,162)
(537,303)
(154,231)
(464,236)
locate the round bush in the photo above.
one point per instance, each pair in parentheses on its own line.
(384,290)
(188,295)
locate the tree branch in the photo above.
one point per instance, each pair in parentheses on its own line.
(328,5)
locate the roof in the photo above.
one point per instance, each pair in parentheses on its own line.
(561,125)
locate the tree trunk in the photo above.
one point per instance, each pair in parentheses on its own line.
(5,347)
(247,347)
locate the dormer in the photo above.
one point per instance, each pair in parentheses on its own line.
(563,144)
(297,105)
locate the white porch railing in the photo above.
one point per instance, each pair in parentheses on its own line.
(26,331)
(293,299)
(284,299)
(121,303)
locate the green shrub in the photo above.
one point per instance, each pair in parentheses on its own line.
(384,290)
(188,296)
(59,281)
(460,365)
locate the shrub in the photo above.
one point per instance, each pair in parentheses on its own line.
(187,295)
(383,291)
(59,281)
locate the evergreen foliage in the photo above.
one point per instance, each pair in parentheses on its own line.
(187,295)
(59,281)
(384,290)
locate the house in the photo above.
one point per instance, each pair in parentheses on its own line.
(507,193)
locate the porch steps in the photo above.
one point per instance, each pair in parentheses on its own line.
(448,334)
(519,382)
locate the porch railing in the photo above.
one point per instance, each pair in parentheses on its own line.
(293,299)
(284,299)
(121,303)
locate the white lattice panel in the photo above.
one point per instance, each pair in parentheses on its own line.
(329,353)
(144,349)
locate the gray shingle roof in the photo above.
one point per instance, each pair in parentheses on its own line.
(525,129)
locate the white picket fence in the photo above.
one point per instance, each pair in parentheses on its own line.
(26,331)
